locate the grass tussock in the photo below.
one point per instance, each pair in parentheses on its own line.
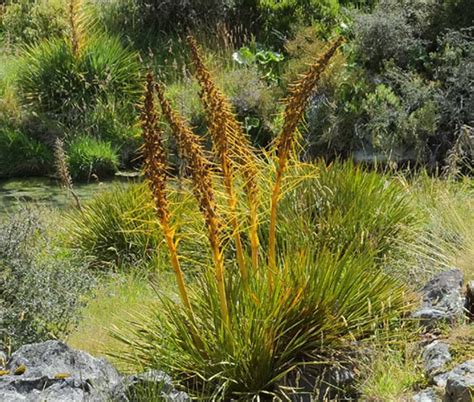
(446,207)
(117,227)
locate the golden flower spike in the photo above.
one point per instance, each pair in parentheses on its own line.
(191,149)
(296,102)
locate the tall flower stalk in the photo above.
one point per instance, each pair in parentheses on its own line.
(75,24)
(62,169)
(296,102)
(233,149)
(156,172)
(193,153)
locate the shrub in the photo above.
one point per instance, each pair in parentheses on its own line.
(255,102)
(334,115)
(396,116)
(21,155)
(41,288)
(400,118)
(162,15)
(27,21)
(453,70)
(89,157)
(283,15)
(64,87)
(392,35)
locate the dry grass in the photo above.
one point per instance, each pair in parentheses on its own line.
(448,207)
(461,340)
(393,372)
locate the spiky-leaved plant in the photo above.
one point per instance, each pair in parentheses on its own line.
(156,171)
(233,148)
(296,102)
(315,305)
(192,151)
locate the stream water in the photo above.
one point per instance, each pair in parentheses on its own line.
(43,191)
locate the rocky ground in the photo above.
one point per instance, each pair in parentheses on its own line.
(52,371)
(445,301)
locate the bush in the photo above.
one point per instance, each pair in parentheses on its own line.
(453,70)
(142,16)
(41,288)
(58,85)
(21,155)
(28,21)
(284,15)
(254,100)
(401,117)
(89,157)
(391,35)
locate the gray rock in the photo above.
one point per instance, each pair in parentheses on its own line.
(460,384)
(443,299)
(155,382)
(435,357)
(440,380)
(470,299)
(321,384)
(427,395)
(56,372)
(335,380)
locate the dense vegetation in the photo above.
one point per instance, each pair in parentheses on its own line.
(271,238)
(401,89)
